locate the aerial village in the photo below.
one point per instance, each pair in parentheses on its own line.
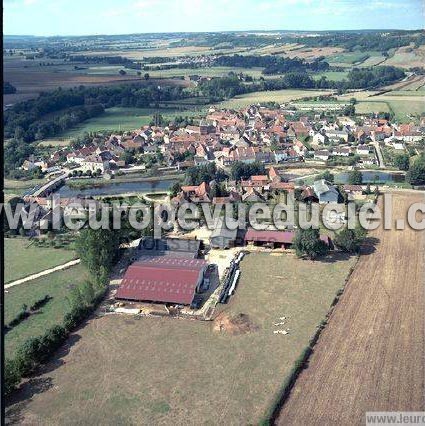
(190,272)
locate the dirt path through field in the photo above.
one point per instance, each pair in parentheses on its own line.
(42,273)
(371,355)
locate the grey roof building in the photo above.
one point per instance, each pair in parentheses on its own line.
(222,237)
(326,192)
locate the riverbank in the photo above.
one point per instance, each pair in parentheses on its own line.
(85,183)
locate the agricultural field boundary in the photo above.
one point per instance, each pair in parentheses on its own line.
(302,362)
(43,273)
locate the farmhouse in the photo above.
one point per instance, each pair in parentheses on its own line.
(353,191)
(164,279)
(322,155)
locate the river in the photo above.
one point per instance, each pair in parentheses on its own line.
(372,176)
(117,188)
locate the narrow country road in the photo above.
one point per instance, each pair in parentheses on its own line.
(379,154)
(42,273)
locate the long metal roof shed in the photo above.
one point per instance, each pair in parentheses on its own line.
(162,279)
(284,237)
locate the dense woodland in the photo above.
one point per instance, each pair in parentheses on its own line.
(363,41)
(56,111)
(272,64)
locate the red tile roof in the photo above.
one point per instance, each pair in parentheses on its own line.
(270,236)
(161,279)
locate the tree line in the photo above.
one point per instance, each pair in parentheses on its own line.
(55,111)
(272,64)
(366,40)
(98,250)
(221,88)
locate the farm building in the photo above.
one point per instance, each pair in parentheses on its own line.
(222,237)
(275,239)
(326,192)
(175,247)
(164,279)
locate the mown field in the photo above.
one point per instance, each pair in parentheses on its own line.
(58,286)
(113,119)
(406,104)
(31,79)
(123,370)
(23,258)
(279,96)
(407,57)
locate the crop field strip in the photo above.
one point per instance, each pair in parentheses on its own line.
(370,356)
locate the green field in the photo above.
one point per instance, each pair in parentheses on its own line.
(23,258)
(167,370)
(348,58)
(116,119)
(208,72)
(57,285)
(404,107)
(331,75)
(368,107)
(279,96)
(174,72)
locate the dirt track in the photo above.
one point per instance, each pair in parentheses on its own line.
(371,355)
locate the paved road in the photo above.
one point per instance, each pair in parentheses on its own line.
(49,184)
(379,154)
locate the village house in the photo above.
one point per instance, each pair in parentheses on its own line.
(322,155)
(325,192)
(195,193)
(337,135)
(354,192)
(363,149)
(320,139)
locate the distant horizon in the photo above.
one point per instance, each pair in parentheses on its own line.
(213,32)
(69,18)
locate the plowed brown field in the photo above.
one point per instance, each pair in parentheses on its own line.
(370,357)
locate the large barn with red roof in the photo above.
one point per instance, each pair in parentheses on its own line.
(163,279)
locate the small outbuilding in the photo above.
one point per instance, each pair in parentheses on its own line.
(175,247)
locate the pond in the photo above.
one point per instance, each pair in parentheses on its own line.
(372,176)
(117,188)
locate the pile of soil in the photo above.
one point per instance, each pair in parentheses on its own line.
(237,324)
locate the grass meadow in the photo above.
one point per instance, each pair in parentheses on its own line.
(113,119)
(279,96)
(58,286)
(125,370)
(23,258)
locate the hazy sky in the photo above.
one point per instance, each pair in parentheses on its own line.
(79,17)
